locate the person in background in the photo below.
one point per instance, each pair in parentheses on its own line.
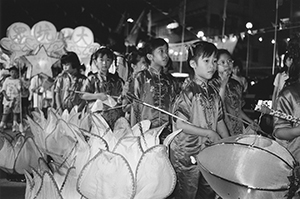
(137,62)
(82,69)
(231,92)
(153,87)
(4,73)
(287,132)
(167,71)
(40,96)
(280,78)
(56,69)
(25,83)
(11,90)
(237,74)
(104,83)
(70,85)
(200,105)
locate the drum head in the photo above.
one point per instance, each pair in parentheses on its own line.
(247,166)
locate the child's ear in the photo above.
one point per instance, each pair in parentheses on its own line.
(193,63)
(149,56)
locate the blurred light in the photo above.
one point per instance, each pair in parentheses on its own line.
(172,25)
(140,45)
(180,74)
(167,40)
(234,38)
(288,39)
(204,38)
(171,51)
(252,83)
(193,160)
(200,34)
(223,40)
(273,41)
(175,53)
(130,20)
(260,39)
(249,25)
(243,35)
(249,31)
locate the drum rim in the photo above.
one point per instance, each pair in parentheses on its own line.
(241,136)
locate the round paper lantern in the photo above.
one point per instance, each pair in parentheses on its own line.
(83,36)
(44,32)
(17,32)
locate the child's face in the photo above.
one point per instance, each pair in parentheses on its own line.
(160,56)
(225,65)
(141,65)
(289,61)
(205,67)
(13,74)
(236,70)
(103,63)
(68,67)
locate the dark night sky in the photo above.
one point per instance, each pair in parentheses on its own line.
(101,16)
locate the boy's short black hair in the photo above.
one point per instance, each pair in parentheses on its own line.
(201,48)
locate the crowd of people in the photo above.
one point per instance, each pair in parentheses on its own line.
(209,102)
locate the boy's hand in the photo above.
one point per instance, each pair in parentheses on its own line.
(213,137)
(224,76)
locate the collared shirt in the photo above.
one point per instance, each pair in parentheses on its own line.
(201,105)
(289,104)
(112,85)
(71,89)
(157,90)
(233,101)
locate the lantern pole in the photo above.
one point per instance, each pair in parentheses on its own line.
(183,35)
(275,39)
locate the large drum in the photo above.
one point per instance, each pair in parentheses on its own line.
(247,166)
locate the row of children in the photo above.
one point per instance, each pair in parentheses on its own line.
(209,102)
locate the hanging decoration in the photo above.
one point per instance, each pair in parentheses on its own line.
(42,45)
(21,40)
(81,41)
(179,51)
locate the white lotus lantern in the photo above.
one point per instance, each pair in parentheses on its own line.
(121,163)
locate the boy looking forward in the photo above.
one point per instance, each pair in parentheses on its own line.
(200,105)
